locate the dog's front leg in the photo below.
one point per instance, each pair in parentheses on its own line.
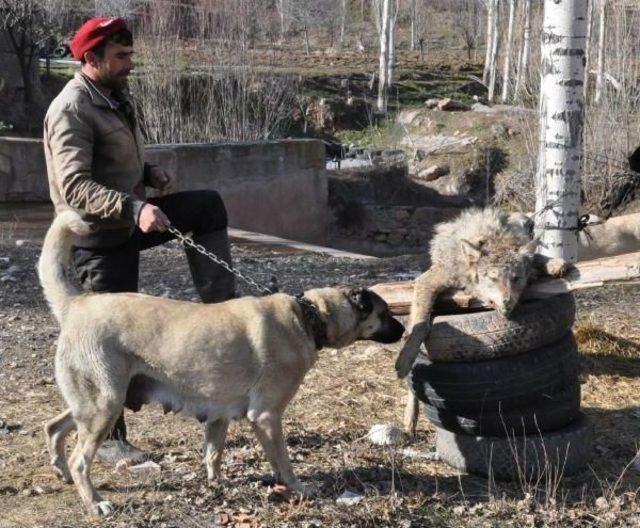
(214,435)
(268,428)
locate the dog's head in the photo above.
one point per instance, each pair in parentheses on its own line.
(354,314)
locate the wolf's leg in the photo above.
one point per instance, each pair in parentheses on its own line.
(411,412)
(425,290)
(214,435)
(553,267)
(92,429)
(56,432)
(268,429)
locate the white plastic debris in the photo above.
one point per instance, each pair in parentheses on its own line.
(409,452)
(350,498)
(384,434)
(145,467)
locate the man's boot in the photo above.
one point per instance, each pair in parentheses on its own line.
(116,446)
(212,281)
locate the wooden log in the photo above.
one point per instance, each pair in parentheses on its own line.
(589,274)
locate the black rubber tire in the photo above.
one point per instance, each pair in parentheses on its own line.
(487,335)
(565,451)
(551,412)
(499,384)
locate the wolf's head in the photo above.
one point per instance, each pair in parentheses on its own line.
(500,269)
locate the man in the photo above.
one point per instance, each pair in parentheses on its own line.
(94,153)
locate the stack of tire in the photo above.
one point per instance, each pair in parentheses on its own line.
(504,394)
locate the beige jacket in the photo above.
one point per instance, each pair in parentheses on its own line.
(94,162)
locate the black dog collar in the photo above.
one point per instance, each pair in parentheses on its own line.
(313,323)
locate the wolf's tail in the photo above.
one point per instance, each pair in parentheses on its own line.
(55,259)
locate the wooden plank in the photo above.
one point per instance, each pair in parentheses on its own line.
(270,240)
(589,274)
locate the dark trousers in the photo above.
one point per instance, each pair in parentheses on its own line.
(115,269)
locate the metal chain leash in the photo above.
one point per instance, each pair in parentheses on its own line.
(187,241)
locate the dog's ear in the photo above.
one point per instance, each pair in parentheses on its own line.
(360,299)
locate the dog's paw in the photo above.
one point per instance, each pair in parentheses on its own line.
(557,267)
(102,508)
(61,470)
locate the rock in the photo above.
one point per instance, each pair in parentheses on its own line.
(349,498)
(20,243)
(384,434)
(474,88)
(4,262)
(479,107)
(449,105)
(601,503)
(431,103)
(406,117)
(433,172)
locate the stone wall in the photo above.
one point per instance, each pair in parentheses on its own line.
(274,187)
(381,211)
(390,230)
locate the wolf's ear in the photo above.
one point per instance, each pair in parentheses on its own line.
(529,247)
(360,299)
(472,252)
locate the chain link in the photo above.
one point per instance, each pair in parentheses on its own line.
(189,242)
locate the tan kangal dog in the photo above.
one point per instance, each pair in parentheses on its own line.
(241,358)
(483,252)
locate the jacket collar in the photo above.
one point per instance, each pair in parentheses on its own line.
(97,97)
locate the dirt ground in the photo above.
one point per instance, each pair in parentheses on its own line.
(326,425)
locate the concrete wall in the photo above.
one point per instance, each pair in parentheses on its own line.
(275,187)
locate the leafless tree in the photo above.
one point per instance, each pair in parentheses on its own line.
(307,14)
(121,8)
(602,14)
(385,13)
(495,48)
(467,20)
(523,60)
(507,54)
(28,26)
(221,96)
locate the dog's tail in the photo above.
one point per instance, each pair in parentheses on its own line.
(55,259)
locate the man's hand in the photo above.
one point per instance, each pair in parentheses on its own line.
(152,218)
(161,179)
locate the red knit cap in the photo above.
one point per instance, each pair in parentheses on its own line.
(93,33)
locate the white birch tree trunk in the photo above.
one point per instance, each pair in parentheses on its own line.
(489,44)
(493,63)
(391,42)
(506,73)
(412,45)
(343,20)
(384,56)
(521,80)
(558,179)
(587,47)
(601,41)
(282,13)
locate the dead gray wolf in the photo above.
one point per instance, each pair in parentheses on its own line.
(241,358)
(484,252)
